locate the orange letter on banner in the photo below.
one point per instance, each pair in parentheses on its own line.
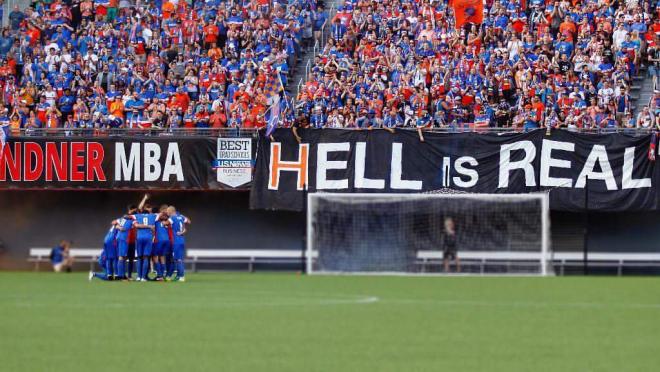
(277,165)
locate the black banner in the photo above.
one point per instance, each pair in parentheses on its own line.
(126,163)
(614,169)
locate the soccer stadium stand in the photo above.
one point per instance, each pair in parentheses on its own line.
(214,64)
(530,65)
(143,64)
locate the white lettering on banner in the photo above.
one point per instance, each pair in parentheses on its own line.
(396,171)
(547,162)
(151,164)
(470,173)
(362,182)
(506,165)
(627,181)
(446,170)
(555,156)
(131,167)
(127,170)
(597,154)
(173,163)
(234,161)
(323,165)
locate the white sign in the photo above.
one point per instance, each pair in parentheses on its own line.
(234,161)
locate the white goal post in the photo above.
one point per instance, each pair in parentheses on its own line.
(407,234)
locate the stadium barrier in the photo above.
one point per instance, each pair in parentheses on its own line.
(560,260)
(609,173)
(127,162)
(254,132)
(243,256)
(425,259)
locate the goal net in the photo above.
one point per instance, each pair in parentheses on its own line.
(428,233)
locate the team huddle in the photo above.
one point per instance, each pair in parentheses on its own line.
(141,238)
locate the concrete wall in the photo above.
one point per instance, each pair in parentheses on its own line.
(220,220)
(223,220)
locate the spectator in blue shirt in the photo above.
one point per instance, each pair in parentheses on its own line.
(61,258)
(16,17)
(319,17)
(66,103)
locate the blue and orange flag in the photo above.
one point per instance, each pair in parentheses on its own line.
(273,87)
(468,11)
(274,118)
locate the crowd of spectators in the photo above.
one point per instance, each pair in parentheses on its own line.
(149,63)
(531,64)
(393,63)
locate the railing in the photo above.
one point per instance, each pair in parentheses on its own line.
(325,34)
(136,132)
(253,132)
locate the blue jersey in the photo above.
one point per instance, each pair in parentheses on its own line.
(178,222)
(126,224)
(57,255)
(110,235)
(145,219)
(162,233)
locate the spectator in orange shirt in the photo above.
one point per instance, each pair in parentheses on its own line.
(219,118)
(215,53)
(241,93)
(211,32)
(539,107)
(168,10)
(117,108)
(568,28)
(180,99)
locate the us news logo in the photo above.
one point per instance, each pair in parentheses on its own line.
(233,161)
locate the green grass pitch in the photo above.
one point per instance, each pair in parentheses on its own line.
(288,322)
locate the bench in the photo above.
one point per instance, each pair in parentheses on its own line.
(244,256)
(193,256)
(561,259)
(618,260)
(39,255)
(480,258)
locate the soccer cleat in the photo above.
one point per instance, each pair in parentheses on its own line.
(91,276)
(181,279)
(168,279)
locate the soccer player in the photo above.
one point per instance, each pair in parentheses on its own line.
(124,226)
(110,251)
(103,263)
(145,222)
(130,258)
(162,246)
(449,246)
(179,223)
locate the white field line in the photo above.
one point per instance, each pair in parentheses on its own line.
(523,304)
(218,302)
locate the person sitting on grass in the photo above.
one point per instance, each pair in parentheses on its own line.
(60,257)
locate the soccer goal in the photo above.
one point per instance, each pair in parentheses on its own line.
(428,233)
